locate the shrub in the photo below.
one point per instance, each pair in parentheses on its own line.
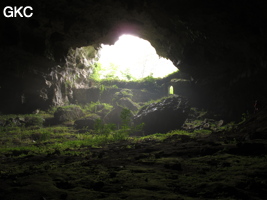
(93,107)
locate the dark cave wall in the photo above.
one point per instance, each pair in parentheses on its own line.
(221,45)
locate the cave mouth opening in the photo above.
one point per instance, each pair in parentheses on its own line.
(131,59)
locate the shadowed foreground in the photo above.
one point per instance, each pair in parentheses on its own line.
(179,167)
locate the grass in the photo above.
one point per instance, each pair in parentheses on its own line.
(92,107)
(161,136)
(21,141)
(32,137)
(37,139)
(24,141)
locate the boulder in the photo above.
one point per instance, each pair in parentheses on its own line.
(128,103)
(68,113)
(163,116)
(87,122)
(101,109)
(114,116)
(123,99)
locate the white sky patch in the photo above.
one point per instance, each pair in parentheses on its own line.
(136,56)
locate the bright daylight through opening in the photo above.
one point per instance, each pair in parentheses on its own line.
(132,58)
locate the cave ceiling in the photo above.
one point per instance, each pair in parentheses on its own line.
(200,37)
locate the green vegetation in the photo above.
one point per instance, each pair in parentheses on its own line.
(161,136)
(149,79)
(93,107)
(88,108)
(96,72)
(46,140)
(31,136)
(110,130)
(36,139)
(100,73)
(61,162)
(244,117)
(28,134)
(153,101)
(126,126)
(113,73)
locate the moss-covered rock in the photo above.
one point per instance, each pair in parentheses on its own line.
(68,113)
(124,93)
(128,103)
(86,122)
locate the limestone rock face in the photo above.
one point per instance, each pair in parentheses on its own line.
(41,83)
(163,116)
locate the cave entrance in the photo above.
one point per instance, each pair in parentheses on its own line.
(132,58)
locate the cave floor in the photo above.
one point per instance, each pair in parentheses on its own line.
(177,168)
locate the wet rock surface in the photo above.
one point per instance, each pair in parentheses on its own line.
(163,116)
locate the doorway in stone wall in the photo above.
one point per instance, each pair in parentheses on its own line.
(171,91)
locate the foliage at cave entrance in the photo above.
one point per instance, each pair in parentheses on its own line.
(110,73)
(131,58)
